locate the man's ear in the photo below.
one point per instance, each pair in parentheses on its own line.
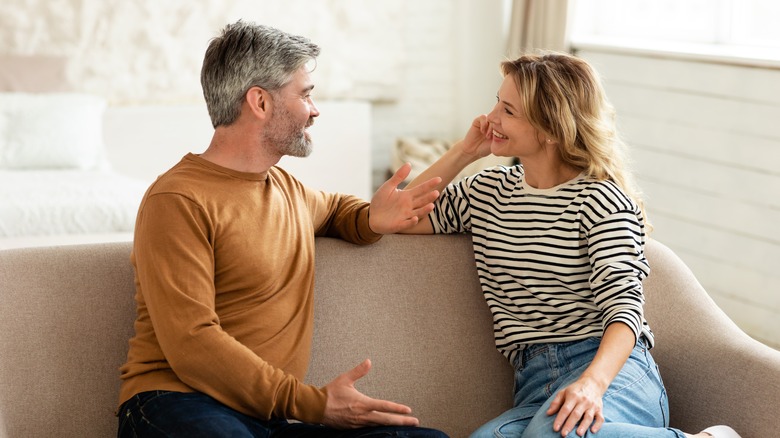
(259,102)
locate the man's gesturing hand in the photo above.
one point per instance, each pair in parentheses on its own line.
(347,408)
(393,210)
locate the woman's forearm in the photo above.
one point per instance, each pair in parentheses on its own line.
(616,345)
(447,167)
(475,145)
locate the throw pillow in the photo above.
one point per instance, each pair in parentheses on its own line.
(51,131)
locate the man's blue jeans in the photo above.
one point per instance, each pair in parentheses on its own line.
(192,415)
(635,404)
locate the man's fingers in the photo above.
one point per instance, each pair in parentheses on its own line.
(346,407)
(359,371)
(424,194)
(431,196)
(384,412)
(400,175)
(386,406)
(426,187)
(421,212)
(374,412)
(377,418)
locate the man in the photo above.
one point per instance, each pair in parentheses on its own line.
(224,261)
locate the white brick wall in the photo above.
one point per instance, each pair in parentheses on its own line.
(706,149)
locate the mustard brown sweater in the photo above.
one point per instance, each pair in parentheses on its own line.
(224,272)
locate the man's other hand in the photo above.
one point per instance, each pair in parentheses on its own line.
(348,408)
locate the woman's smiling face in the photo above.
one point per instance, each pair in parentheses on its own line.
(513,134)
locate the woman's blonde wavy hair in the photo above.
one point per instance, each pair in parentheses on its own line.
(563,98)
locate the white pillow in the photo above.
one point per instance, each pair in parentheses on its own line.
(51,131)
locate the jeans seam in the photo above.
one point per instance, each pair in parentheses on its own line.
(628,385)
(497,431)
(144,419)
(125,422)
(538,351)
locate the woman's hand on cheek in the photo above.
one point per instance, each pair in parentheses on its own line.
(478,138)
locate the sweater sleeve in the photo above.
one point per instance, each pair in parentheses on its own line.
(615,249)
(341,216)
(175,265)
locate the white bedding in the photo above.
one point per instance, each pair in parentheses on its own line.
(56,202)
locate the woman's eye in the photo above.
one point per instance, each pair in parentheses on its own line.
(507,111)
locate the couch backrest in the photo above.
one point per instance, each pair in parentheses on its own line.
(413,305)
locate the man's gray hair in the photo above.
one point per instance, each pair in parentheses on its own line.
(249,55)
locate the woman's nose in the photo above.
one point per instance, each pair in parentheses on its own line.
(491,117)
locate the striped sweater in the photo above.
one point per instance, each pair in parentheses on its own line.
(555,265)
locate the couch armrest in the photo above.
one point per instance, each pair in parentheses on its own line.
(714,373)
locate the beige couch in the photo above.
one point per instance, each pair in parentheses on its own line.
(411,304)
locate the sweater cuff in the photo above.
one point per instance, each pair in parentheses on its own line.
(367,235)
(310,404)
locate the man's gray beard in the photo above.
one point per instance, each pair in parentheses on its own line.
(299,147)
(289,144)
(287,139)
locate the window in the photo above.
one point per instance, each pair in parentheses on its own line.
(726,23)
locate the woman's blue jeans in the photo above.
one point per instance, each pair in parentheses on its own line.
(192,415)
(635,404)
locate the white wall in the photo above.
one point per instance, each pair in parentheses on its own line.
(706,148)
(450,73)
(340,161)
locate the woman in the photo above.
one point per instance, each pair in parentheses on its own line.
(559,245)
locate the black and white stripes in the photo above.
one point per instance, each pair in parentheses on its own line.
(555,265)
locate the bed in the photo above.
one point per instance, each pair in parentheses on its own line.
(55,177)
(57,202)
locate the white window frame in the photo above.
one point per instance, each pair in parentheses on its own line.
(721,44)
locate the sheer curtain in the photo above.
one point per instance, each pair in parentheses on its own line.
(538,24)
